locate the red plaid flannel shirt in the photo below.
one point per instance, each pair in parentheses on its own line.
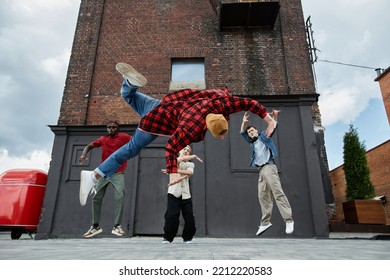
(182,116)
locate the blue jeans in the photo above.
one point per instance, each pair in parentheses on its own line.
(142,104)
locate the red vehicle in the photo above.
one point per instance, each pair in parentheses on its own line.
(21,197)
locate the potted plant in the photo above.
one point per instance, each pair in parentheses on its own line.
(360,208)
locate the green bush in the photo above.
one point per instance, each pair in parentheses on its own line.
(357,173)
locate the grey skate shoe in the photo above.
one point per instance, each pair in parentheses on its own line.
(132,76)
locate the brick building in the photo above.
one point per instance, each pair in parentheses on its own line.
(378,161)
(257,49)
(384,85)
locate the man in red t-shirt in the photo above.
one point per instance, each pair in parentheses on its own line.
(109,143)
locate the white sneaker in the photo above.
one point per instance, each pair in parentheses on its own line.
(86,186)
(118,231)
(289,227)
(188,241)
(93,231)
(132,76)
(165,241)
(263,229)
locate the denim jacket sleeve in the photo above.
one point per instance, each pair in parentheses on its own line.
(246,136)
(269,142)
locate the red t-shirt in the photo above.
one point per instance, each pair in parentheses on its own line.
(111,144)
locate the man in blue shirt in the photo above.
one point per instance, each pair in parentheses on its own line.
(269,186)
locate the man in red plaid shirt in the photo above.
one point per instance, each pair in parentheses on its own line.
(183,115)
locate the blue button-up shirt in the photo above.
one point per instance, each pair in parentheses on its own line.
(263,149)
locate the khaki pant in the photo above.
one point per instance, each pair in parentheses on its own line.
(270,188)
(118,182)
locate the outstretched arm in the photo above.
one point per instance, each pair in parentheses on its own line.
(274,114)
(245,119)
(179,171)
(188,158)
(175,178)
(234,104)
(271,125)
(85,152)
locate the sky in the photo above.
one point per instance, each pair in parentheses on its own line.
(350,32)
(36,38)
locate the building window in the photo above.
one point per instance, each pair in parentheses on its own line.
(187,73)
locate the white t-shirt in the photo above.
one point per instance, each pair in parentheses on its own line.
(183,188)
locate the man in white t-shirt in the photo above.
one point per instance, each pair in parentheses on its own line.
(179,200)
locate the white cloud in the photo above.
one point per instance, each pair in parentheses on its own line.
(351,4)
(35,42)
(31,7)
(348,97)
(5,85)
(340,104)
(34,160)
(55,66)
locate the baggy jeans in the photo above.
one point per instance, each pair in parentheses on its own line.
(142,104)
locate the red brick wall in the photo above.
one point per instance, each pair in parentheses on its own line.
(149,33)
(75,100)
(384,84)
(378,160)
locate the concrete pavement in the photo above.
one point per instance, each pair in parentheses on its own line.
(337,247)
